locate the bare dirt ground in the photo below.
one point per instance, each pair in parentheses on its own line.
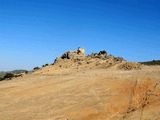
(82,94)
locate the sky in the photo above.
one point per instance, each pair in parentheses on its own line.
(35,32)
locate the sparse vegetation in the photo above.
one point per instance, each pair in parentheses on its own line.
(45,65)
(36,68)
(8,76)
(11,74)
(1,78)
(153,62)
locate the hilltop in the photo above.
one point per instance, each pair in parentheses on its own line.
(76,86)
(76,60)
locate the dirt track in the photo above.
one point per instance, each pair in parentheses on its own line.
(93,94)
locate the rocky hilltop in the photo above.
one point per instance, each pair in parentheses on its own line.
(102,59)
(77,59)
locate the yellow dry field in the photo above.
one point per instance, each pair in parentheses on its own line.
(84,94)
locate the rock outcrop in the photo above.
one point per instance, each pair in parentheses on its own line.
(74,55)
(77,59)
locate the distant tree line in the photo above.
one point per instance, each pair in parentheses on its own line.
(153,62)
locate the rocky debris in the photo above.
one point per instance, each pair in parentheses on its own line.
(77,59)
(130,66)
(101,54)
(104,56)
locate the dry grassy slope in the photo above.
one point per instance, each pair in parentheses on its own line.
(82,94)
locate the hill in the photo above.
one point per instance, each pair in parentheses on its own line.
(77,61)
(79,87)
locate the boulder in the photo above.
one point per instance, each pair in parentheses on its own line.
(81,51)
(74,55)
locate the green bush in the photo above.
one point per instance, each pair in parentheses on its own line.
(1,78)
(8,76)
(36,68)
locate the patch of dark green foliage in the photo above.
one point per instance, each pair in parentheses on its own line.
(153,62)
(36,68)
(45,65)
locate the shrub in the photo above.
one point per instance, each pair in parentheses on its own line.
(1,78)
(8,76)
(36,68)
(102,52)
(45,65)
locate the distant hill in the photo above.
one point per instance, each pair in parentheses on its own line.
(18,71)
(153,62)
